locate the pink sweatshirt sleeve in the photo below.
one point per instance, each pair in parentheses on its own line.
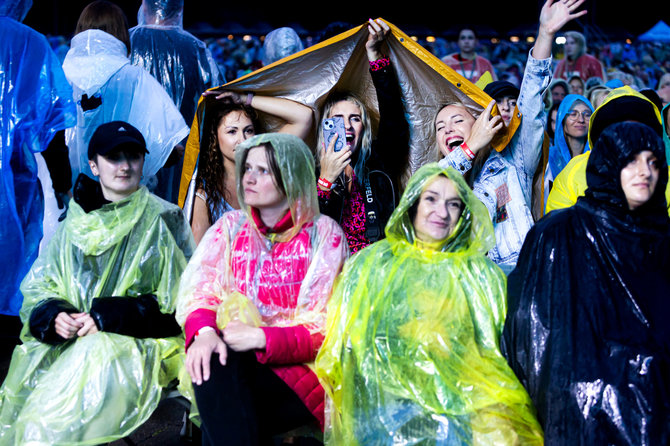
(289,345)
(196,320)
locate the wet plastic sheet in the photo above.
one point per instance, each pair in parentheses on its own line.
(99,387)
(179,61)
(97,66)
(586,330)
(36,103)
(411,353)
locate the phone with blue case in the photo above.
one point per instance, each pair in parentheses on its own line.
(334,126)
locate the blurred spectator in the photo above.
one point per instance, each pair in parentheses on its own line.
(576,61)
(466,62)
(280,43)
(180,62)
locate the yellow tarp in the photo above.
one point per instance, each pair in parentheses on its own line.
(341,63)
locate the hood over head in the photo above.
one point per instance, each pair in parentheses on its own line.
(559,153)
(15,9)
(616,147)
(473,233)
(280,43)
(296,164)
(161,13)
(624,104)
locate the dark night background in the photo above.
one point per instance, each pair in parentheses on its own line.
(605,20)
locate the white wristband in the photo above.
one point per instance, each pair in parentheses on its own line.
(203,330)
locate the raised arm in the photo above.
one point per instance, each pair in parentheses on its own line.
(298,117)
(553,16)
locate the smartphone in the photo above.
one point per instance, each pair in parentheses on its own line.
(334,126)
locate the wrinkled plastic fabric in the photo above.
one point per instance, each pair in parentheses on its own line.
(179,61)
(287,276)
(280,43)
(161,12)
(15,9)
(586,331)
(411,352)
(99,387)
(570,183)
(36,103)
(340,63)
(97,64)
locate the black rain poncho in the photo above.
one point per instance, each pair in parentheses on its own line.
(586,331)
(411,353)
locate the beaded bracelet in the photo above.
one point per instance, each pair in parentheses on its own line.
(380,64)
(467,151)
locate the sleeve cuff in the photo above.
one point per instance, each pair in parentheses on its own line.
(197,320)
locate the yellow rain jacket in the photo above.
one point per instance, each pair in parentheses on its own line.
(341,63)
(411,354)
(570,183)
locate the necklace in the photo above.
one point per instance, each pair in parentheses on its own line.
(474,65)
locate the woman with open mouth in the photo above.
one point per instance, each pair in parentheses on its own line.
(359,185)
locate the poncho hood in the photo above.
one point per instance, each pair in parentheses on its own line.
(161,13)
(474,231)
(94,56)
(616,147)
(15,9)
(666,137)
(559,153)
(296,165)
(97,231)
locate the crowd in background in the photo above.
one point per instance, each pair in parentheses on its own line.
(638,64)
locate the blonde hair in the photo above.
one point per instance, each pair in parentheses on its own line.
(366,138)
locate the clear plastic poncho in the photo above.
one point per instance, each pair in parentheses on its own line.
(99,387)
(280,280)
(280,43)
(411,355)
(97,66)
(36,102)
(179,61)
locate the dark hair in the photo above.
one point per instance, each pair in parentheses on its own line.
(211,174)
(548,129)
(107,17)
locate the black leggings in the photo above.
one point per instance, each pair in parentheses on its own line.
(245,403)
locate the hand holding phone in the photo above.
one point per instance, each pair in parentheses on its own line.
(331,127)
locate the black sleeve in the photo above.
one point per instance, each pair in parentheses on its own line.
(139,317)
(333,205)
(393,132)
(58,162)
(43,318)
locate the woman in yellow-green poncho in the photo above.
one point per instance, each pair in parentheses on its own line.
(100,340)
(411,355)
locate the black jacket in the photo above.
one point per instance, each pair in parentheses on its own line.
(139,316)
(388,159)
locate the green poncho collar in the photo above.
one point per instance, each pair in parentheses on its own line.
(296,164)
(95,232)
(473,233)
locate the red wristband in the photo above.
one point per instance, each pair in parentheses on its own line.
(325,183)
(467,151)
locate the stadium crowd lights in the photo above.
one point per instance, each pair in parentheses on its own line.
(560,40)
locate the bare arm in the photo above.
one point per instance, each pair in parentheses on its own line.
(298,117)
(552,18)
(200,222)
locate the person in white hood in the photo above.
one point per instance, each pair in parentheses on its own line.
(108,88)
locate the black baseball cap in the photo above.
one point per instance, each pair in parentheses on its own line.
(501,89)
(111,135)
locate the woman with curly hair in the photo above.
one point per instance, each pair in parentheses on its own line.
(234,120)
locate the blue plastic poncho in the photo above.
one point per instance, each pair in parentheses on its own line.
(99,387)
(97,66)
(35,103)
(411,354)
